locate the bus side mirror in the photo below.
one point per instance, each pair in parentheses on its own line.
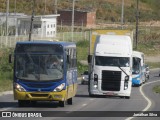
(68,59)
(89,58)
(10,58)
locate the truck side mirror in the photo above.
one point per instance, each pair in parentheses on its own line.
(89,58)
(10,58)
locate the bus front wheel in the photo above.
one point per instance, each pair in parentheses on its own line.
(62,103)
(23,103)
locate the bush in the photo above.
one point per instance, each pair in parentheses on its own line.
(6,69)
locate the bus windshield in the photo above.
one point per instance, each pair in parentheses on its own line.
(136,65)
(112,61)
(38,64)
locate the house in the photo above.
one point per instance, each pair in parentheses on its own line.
(84,18)
(43,25)
(12,18)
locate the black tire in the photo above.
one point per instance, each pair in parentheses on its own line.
(62,103)
(69,101)
(23,103)
(33,103)
(82,82)
(91,95)
(122,97)
(127,97)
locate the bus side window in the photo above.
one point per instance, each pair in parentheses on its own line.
(68,59)
(74,58)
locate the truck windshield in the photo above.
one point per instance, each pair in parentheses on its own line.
(136,66)
(39,62)
(112,61)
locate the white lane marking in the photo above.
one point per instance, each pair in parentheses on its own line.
(84,105)
(145,97)
(5,109)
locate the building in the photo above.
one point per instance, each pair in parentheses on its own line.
(43,25)
(84,18)
(12,18)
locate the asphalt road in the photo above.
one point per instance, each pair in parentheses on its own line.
(142,99)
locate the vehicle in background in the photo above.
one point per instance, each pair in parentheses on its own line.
(84,78)
(138,69)
(44,71)
(110,64)
(147,71)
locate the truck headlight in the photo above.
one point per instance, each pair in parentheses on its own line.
(19,87)
(59,88)
(95,84)
(95,77)
(125,85)
(126,82)
(126,78)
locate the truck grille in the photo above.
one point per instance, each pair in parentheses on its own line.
(111,80)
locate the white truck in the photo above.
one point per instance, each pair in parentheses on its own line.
(110,63)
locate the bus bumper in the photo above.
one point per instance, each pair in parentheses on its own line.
(136,82)
(40,96)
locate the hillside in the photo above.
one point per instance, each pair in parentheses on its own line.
(107,10)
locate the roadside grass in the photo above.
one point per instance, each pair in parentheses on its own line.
(5,81)
(156,89)
(153,64)
(5,85)
(82,53)
(150,48)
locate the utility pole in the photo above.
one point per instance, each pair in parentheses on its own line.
(122,14)
(32,18)
(45,8)
(73,4)
(137,20)
(15,6)
(7,12)
(55,6)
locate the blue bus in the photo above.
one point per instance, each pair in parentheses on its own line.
(138,69)
(45,71)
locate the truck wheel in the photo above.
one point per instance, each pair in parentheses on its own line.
(69,101)
(62,103)
(91,95)
(127,97)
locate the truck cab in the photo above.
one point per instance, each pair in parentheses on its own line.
(111,64)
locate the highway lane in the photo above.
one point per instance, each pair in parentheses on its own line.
(82,102)
(154,97)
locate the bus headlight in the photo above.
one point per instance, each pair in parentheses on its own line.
(19,87)
(59,88)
